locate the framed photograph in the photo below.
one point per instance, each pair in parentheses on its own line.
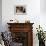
(20,10)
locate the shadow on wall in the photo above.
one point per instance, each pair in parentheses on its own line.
(0,15)
(43,6)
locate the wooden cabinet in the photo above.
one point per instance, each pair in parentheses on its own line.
(22,33)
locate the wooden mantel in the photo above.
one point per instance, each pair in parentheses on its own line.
(23,27)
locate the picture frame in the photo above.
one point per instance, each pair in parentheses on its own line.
(20,10)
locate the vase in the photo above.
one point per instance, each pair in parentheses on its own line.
(41,43)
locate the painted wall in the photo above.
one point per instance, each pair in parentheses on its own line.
(0,15)
(34,14)
(43,14)
(32,6)
(43,6)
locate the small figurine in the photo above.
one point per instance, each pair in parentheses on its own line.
(27,21)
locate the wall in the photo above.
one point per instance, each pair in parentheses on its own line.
(33,10)
(34,14)
(0,15)
(43,6)
(43,14)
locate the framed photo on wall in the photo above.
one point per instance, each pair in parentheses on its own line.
(20,9)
